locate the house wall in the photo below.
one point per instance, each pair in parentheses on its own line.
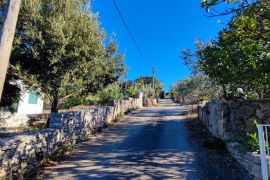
(25,108)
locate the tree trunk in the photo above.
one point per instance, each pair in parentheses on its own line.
(261,95)
(225,96)
(54,103)
(6,38)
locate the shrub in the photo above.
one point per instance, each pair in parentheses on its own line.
(150,94)
(71,102)
(111,92)
(132,91)
(249,141)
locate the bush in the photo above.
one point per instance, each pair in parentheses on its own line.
(71,102)
(111,92)
(150,95)
(131,91)
(249,141)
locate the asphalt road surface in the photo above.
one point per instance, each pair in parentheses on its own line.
(151,143)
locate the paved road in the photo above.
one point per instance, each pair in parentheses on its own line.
(151,143)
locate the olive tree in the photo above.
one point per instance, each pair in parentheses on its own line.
(59,49)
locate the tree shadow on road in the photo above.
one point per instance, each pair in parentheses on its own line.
(151,143)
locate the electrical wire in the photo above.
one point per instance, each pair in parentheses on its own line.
(130,34)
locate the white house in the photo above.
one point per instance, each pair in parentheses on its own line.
(31,103)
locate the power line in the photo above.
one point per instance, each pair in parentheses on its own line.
(130,34)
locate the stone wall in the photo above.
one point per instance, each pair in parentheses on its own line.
(250,161)
(226,119)
(23,152)
(9,120)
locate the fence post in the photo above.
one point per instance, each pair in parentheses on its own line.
(262,153)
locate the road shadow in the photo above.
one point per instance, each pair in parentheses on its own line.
(151,143)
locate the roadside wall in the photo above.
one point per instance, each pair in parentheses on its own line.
(227,119)
(224,119)
(23,152)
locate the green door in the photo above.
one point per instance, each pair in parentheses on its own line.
(33,97)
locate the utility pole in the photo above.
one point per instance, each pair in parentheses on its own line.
(6,38)
(153,78)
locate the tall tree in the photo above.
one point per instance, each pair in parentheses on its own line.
(57,44)
(239,58)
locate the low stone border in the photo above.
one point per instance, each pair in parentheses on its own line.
(250,161)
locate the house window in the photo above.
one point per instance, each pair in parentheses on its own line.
(33,97)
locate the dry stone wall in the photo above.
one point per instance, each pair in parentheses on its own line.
(22,153)
(226,119)
(250,161)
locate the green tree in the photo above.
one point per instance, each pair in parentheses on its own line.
(11,93)
(195,88)
(111,92)
(254,15)
(145,84)
(59,49)
(240,56)
(129,88)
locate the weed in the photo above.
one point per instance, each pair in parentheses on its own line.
(130,110)
(118,117)
(61,152)
(249,141)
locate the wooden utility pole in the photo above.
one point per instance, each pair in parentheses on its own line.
(6,38)
(153,78)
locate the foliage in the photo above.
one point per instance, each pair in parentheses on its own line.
(238,59)
(102,97)
(111,92)
(145,84)
(11,93)
(196,88)
(66,148)
(249,141)
(132,91)
(210,3)
(59,48)
(3,8)
(129,89)
(142,84)
(71,102)
(254,12)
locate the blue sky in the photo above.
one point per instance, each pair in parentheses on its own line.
(162,29)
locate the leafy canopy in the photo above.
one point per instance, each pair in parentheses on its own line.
(59,49)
